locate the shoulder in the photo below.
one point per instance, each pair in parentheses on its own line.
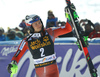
(49,30)
(27,38)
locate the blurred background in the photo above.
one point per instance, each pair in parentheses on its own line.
(13,11)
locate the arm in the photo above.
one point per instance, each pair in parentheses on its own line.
(20,51)
(59,31)
(12,67)
(62,30)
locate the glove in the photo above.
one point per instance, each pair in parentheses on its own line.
(12,67)
(67,13)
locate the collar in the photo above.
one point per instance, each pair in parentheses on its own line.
(36,35)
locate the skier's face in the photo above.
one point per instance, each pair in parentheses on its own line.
(37,26)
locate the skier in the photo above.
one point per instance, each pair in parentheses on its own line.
(40,42)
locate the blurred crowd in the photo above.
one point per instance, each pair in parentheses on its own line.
(90,29)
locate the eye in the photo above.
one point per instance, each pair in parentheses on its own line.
(36,24)
(39,22)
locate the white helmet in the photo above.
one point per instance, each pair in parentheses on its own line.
(29,19)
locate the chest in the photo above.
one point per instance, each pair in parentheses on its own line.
(41,47)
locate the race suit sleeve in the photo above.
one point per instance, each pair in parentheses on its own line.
(60,30)
(20,51)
